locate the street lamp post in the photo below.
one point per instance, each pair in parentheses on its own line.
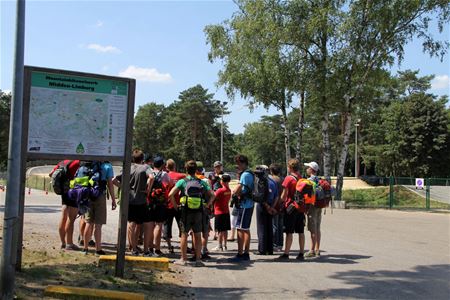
(356,148)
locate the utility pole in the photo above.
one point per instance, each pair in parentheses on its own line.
(11,220)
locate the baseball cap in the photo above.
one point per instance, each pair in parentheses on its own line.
(313,165)
(158,161)
(217,163)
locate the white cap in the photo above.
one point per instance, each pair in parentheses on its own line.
(313,165)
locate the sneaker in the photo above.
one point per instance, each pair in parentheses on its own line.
(91,243)
(310,254)
(318,253)
(135,253)
(148,254)
(72,247)
(100,252)
(225,248)
(199,263)
(246,256)
(192,259)
(181,262)
(85,251)
(63,246)
(190,250)
(300,257)
(158,253)
(236,258)
(283,256)
(139,249)
(205,256)
(217,249)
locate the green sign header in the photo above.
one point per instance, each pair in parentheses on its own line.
(77,83)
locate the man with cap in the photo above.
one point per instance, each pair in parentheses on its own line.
(214,177)
(314,214)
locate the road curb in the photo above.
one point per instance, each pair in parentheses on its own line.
(158,263)
(69,292)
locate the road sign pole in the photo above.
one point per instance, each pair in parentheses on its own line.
(14,172)
(427,193)
(391,192)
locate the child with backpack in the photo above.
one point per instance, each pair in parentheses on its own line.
(222,212)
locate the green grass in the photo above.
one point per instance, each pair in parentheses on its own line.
(379,197)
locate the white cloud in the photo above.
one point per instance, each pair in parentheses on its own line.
(104,49)
(99,24)
(440,82)
(7,91)
(144,74)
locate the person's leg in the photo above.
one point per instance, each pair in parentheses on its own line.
(183,246)
(129,235)
(157,236)
(301,242)
(224,239)
(89,227)
(280,230)
(149,236)
(268,234)
(62,225)
(82,228)
(198,245)
(318,233)
(240,241)
(72,216)
(132,235)
(288,243)
(98,236)
(247,238)
(167,228)
(260,232)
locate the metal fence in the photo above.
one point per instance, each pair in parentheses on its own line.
(397,193)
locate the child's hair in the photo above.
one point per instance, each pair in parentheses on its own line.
(226,178)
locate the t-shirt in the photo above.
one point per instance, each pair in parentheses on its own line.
(107,171)
(273,191)
(138,183)
(314,179)
(289,184)
(223,196)
(181,184)
(246,181)
(174,178)
(71,168)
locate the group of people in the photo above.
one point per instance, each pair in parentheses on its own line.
(159,194)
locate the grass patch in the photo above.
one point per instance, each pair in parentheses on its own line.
(379,197)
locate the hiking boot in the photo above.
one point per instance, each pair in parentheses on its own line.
(310,254)
(205,256)
(283,256)
(198,263)
(72,247)
(180,262)
(300,257)
(148,254)
(85,251)
(158,253)
(100,252)
(63,246)
(318,253)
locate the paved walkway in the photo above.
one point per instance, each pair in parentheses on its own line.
(367,254)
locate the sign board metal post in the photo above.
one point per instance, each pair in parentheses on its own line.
(15,165)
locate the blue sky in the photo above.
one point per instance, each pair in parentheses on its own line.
(162,44)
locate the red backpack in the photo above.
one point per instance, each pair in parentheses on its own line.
(323,194)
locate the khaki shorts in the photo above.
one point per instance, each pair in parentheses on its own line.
(314,219)
(97,211)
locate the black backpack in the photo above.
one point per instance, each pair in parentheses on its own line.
(61,178)
(261,191)
(157,194)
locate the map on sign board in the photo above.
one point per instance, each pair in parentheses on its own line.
(77,115)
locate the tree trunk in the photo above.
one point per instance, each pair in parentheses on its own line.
(326,146)
(301,122)
(286,134)
(344,151)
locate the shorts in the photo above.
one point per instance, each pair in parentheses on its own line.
(157,213)
(222,222)
(191,220)
(314,219)
(67,201)
(205,222)
(96,212)
(138,214)
(294,222)
(167,228)
(243,218)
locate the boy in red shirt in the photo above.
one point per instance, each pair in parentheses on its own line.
(222,212)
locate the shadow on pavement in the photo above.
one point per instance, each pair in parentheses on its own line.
(423,282)
(342,259)
(220,293)
(37,209)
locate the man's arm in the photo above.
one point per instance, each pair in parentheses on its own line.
(111,192)
(172,194)
(212,197)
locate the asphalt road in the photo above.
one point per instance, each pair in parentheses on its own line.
(438,193)
(367,254)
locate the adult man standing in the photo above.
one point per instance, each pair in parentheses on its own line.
(95,217)
(294,221)
(314,213)
(139,181)
(244,209)
(193,194)
(158,195)
(172,211)
(275,171)
(214,177)
(200,174)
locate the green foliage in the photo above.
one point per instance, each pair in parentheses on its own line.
(147,123)
(5,112)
